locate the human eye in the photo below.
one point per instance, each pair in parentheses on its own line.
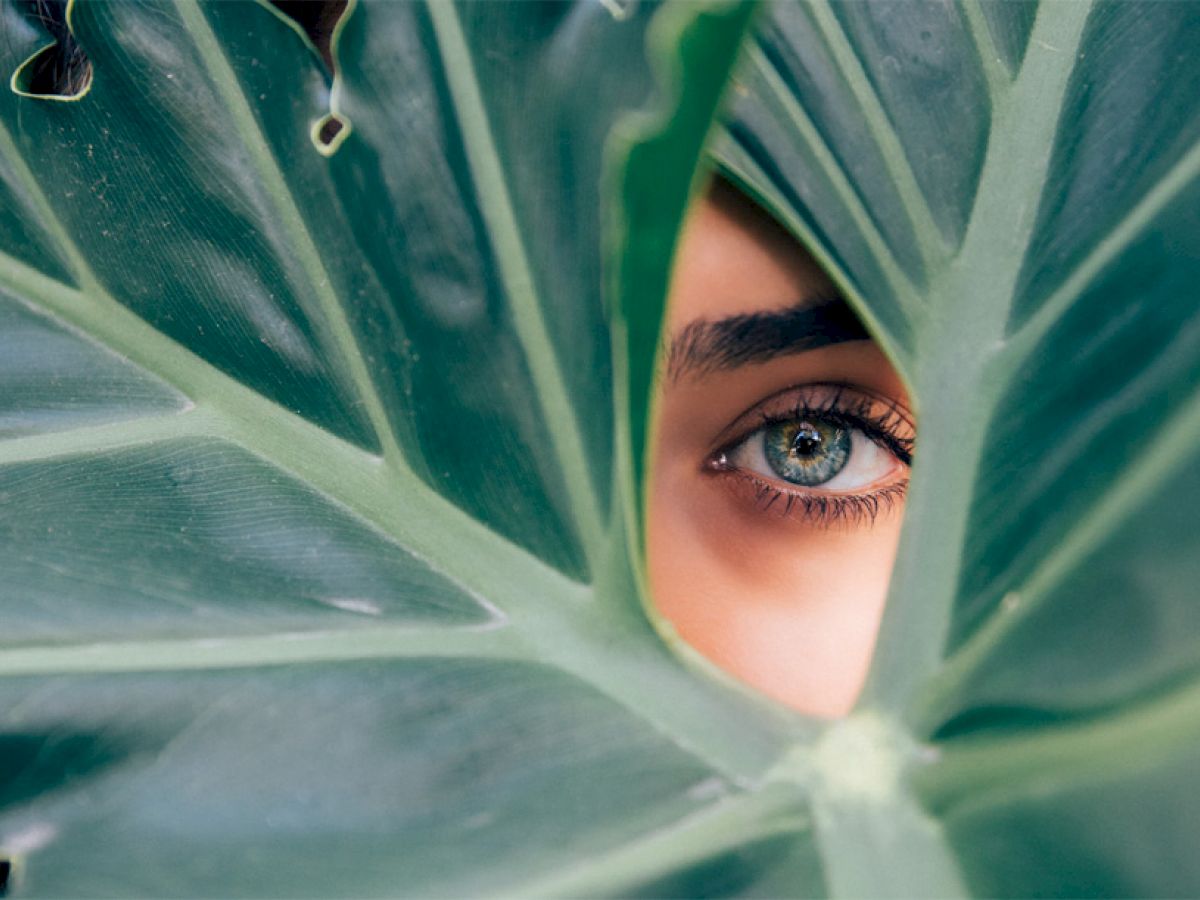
(823,453)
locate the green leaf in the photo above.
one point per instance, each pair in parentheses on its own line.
(320,459)
(314,575)
(1011,196)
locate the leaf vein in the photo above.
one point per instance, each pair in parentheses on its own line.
(520,285)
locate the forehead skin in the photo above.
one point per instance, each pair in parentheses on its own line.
(726,240)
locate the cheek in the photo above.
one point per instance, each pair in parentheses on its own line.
(788,608)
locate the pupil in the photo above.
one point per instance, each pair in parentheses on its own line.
(807,441)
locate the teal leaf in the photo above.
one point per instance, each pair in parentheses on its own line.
(316,499)
(1022,231)
(321,454)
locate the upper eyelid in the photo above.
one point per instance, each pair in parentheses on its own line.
(745,424)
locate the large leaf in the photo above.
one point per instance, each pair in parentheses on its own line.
(1012,195)
(312,578)
(318,509)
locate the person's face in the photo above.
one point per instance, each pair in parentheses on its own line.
(783,438)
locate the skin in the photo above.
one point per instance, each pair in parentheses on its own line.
(785,604)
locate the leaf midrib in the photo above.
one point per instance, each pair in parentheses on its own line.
(960,341)
(1119,497)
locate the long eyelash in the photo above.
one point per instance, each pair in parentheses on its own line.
(828,509)
(855,412)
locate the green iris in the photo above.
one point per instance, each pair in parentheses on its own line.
(806,451)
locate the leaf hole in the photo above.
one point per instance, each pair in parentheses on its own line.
(328,133)
(620,10)
(6,868)
(329,130)
(59,71)
(316,19)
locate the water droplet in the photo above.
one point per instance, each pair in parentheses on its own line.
(620,10)
(360,605)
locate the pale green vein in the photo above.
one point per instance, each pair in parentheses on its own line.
(990,61)
(732,728)
(1140,736)
(100,318)
(92,439)
(403,509)
(1171,449)
(1181,176)
(895,158)
(410,514)
(275,186)
(545,607)
(92,311)
(903,290)
(520,286)
(290,648)
(953,387)
(731,823)
(42,209)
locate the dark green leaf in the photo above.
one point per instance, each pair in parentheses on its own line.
(1012,195)
(314,545)
(320,456)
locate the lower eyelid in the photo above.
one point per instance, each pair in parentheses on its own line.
(820,508)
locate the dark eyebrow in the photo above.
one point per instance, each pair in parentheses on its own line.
(707,345)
